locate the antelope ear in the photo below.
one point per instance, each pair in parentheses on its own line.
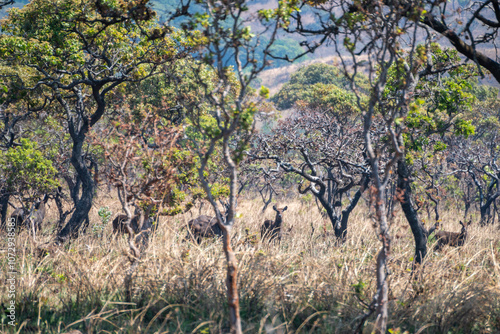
(286,207)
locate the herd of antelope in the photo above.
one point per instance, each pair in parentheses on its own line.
(208,227)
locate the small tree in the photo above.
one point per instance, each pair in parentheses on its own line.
(224,118)
(141,157)
(26,173)
(478,157)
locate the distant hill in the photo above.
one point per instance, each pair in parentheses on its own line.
(280,70)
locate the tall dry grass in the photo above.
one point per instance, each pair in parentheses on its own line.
(306,284)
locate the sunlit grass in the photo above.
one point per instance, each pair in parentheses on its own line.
(306,284)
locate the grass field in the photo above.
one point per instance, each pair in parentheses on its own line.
(306,284)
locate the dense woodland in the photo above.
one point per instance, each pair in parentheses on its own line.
(150,182)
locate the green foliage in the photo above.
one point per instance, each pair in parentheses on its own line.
(483,92)
(464,128)
(303,83)
(25,169)
(333,98)
(443,104)
(105,215)
(283,12)
(359,288)
(78,43)
(264,92)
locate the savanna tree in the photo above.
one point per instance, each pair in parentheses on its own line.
(470,26)
(78,52)
(418,74)
(324,148)
(223,121)
(141,157)
(478,158)
(17,122)
(26,174)
(374,31)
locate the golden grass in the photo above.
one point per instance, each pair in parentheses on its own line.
(307,284)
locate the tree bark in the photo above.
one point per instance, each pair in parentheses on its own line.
(225,225)
(4,205)
(341,232)
(382,291)
(411,215)
(232,283)
(382,295)
(232,263)
(467,50)
(485,209)
(84,204)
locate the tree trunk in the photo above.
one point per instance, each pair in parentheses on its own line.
(232,283)
(135,257)
(485,209)
(60,209)
(232,263)
(4,206)
(84,204)
(382,309)
(382,296)
(339,227)
(341,232)
(410,213)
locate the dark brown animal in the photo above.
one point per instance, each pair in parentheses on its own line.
(455,239)
(18,216)
(141,224)
(272,229)
(204,227)
(119,223)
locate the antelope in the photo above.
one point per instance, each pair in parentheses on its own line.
(455,239)
(119,222)
(272,229)
(204,227)
(20,215)
(135,222)
(39,213)
(140,223)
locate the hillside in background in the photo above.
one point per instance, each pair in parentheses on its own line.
(289,45)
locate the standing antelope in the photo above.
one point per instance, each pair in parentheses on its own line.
(204,227)
(39,213)
(22,218)
(272,229)
(455,239)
